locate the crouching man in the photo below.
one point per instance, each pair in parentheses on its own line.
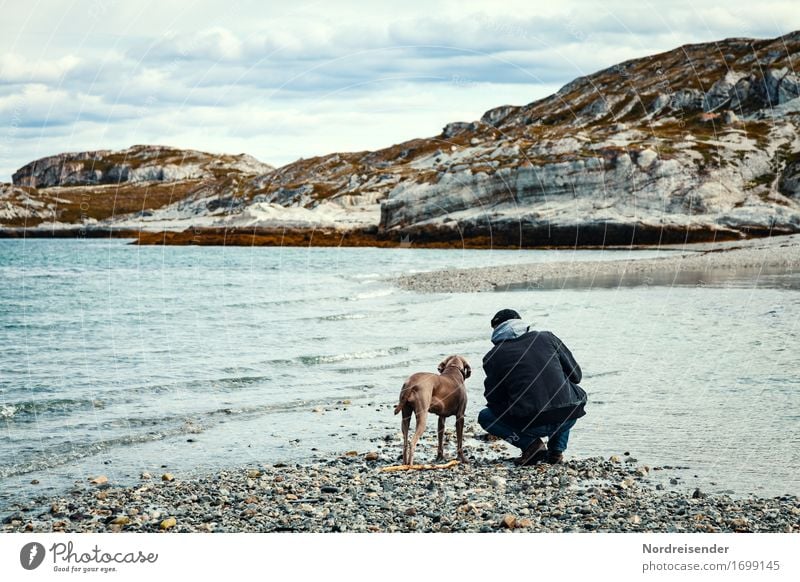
(531,390)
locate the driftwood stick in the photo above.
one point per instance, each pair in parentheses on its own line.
(392,468)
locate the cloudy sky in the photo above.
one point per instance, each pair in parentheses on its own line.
(287,79)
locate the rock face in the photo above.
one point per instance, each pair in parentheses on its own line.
(20,206)
(136,164)
(697,142)
(141,187)
(694,143)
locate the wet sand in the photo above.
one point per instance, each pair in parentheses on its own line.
(693,264)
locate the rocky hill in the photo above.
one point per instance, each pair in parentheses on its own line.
(695,143)
(125,187)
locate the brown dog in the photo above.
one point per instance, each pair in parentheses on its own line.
(444,395)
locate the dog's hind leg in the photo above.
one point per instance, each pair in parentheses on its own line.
(460,437)
(421,413)
(404,425)
(440,434)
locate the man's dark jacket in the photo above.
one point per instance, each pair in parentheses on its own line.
(532,380)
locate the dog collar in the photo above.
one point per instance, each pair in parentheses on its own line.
(462,370)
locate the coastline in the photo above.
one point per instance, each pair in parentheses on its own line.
(750,257)
(348,493)
(602,236)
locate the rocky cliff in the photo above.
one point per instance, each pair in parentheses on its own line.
(136,164)
(698,141)
(127,187)
(695,143)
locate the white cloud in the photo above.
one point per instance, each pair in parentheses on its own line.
(289,79)
(20,69)
(213,44)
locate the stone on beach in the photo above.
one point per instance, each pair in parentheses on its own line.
(121,520)
(342,493)
(497,481)
(509,521)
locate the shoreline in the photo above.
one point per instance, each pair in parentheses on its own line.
(348,493)
(610,237)
(776,254)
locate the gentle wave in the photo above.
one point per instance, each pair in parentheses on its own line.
(372,294)
(109,398)
(383,313)
(366,276)
(238,370)
(21,272)
(33,407)
(601,374)
(240,381)
(341,317)
(332,359)
(279,362)
(168,426)
(388,366)
(69,453)
(205,384)
(460,340)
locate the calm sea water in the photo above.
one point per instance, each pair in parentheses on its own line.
(116,359)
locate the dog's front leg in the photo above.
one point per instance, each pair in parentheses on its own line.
(440,433)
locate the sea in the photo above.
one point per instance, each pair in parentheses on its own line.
(117,359)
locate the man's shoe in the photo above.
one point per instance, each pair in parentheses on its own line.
(534,454)
(555,457)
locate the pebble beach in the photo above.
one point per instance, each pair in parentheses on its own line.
(350,493)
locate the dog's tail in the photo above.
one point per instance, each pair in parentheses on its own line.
(405,392)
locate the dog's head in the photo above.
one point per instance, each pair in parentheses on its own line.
(456,362)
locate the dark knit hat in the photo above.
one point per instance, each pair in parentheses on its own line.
(504,315)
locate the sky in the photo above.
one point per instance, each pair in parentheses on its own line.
(281,80)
